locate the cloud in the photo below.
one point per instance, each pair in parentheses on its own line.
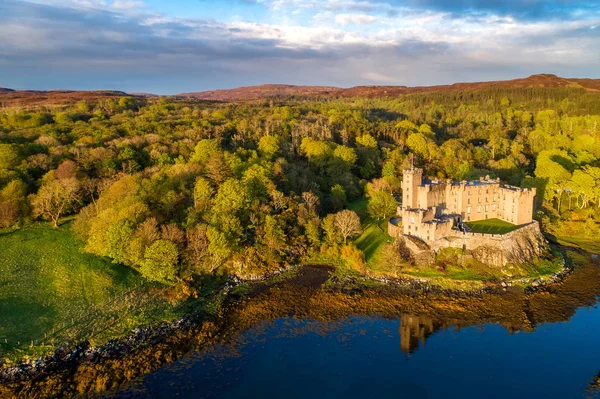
(359,19)
(519,9)
(128,46)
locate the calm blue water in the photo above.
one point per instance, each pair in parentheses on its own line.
(362,358)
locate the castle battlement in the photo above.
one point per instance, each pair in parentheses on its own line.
(431,208)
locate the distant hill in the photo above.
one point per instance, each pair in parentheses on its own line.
(274,90)
(11,98)
(262,91)
(32,98)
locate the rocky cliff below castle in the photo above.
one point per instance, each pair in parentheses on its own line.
(521,246)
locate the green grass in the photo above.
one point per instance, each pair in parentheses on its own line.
(374,235)
(492,226)
(48,287)
(587,244)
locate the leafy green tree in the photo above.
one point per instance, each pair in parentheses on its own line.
(273,237)
(9,157)
(231,197)
(346,154)
(366,140)
(203,193)
(204,150)
(218,246)
(13,203)
(332,234)
(160,262)
(382,205)
(269,146)
(418,144)
(337,197)
(118,238)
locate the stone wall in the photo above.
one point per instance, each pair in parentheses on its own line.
(394,230)
(519,246)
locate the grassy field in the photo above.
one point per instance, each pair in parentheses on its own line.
(49,288)
(374,235)
(492,226)
(587,244)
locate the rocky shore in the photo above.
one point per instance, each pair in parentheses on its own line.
(69,357)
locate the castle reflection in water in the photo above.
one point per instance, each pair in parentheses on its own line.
(415,330)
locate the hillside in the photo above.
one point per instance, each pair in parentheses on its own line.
(271,90)
(31,98)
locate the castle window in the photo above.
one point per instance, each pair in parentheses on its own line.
(487,190)
(479,208)
(494,207)
(468,209)
(412,219)
(486,208)
(494,198)
(479,200)
(469,201)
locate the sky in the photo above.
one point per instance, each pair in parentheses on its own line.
(174,46)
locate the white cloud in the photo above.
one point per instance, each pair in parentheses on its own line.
(359,19)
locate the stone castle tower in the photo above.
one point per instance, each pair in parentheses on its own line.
(411,180)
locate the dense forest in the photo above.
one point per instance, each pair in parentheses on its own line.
(178,188)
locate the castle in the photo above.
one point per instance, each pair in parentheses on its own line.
(434,209)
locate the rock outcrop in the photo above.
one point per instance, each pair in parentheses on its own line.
(517,247)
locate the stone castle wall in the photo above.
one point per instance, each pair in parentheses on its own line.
(519,246)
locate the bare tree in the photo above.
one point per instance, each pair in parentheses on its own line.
(311,200)
(54,198)
(348,223)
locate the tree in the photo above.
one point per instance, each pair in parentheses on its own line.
(54,198)
(217,168)
(203,193)
(197,245)
(9,157)
(118,237)
(583,186)
(273,236)
(218,246)
(311,201)
(337,197)
(12,203)
(231,198)
(160,261)
(346,154)
(382,205)
(348,224)
(332,233)
(269,146)
(376,185)
(354,258)
(367,141)
(417,144)
(204,150)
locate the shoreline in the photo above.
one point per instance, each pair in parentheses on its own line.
(71,356)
